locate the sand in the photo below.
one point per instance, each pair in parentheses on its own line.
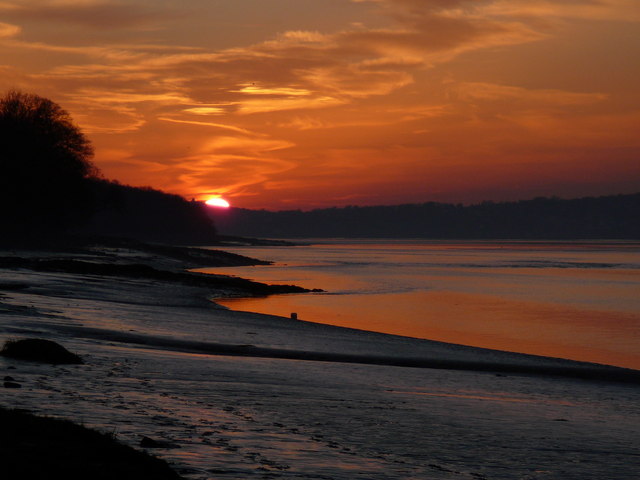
(252,396)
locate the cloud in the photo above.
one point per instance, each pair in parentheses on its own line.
(89,13)
(251,106)
(7,30)
(254,89)
(367,117)
(207,110)
(354,81)
(390,97)
(296,70)
(489,92)
(603,10)
(242,145)
(226,173)
(209,124)
(112,120)
(110,97)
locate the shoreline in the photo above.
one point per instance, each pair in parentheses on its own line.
(170,265)
(574,303)
(163,361)
(497,361)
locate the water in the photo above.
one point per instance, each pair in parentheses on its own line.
(240,418)
(576,300)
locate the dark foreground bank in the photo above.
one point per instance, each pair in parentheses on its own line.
(110,257)
(35,448)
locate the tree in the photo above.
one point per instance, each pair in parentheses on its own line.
(45,161)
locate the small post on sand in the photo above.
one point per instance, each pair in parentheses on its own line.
(294,316)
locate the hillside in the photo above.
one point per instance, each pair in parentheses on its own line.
(147,214)
(612,217)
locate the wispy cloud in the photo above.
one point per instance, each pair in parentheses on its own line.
(92,13)
(411,87)
(601,10)
(210,124)
(538,98)
(8,30)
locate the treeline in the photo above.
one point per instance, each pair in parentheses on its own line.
(50,188)
(610,217)
(146,214)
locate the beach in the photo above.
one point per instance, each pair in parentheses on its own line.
(235,395)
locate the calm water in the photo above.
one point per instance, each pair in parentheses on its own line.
(561,299)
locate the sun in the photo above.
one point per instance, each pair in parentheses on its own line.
(217,202)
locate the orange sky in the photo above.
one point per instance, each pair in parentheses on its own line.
(283,104)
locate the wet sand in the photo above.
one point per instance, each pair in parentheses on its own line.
(246,395)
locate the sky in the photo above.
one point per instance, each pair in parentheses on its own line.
(300,104)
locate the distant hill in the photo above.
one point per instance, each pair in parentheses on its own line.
(611,217)
(148,215)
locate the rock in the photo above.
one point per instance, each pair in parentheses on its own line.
(39,350)
(9,379)
(12,385)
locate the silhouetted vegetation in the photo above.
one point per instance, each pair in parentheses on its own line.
(611,217)
(49,186)
(147,214)
(45,162)
(39,448)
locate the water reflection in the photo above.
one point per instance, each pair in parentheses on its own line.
(564,300)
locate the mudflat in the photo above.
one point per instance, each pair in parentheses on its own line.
(227,394)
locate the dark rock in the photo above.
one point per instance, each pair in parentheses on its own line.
(9,379)
(12,385)
(39,350)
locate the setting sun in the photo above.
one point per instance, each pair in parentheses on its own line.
(217,202)
(301,105)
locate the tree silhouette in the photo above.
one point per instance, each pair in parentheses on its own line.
(45,161)
(609,217)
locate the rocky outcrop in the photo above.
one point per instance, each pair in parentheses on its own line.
(39,350)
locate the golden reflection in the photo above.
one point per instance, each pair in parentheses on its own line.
(537,328)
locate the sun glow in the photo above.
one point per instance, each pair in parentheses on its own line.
(218,202)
